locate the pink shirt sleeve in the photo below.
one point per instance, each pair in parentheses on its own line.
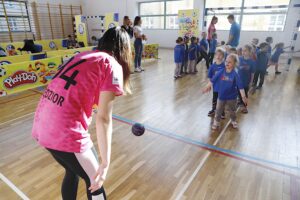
(111,77)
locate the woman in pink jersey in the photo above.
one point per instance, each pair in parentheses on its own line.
(65,112)
(211,29)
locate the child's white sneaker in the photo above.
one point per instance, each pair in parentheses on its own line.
(215,125)
(234,124)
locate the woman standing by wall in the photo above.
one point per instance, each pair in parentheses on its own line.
(138,43)
(212,28)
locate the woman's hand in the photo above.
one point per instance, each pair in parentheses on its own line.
(99,178)
(144,37)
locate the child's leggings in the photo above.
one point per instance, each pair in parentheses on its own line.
(221,108)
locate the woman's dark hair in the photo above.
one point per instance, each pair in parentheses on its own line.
(179,39)
(213,18)
(137,19)
(117,42)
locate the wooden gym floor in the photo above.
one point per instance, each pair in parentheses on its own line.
(178,157)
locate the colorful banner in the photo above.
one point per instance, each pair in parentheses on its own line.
(16,59)
(81,31)
(26,75)
(188,23)
(27,57)
(48,45)
(111,20)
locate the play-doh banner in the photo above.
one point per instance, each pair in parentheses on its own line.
(11,48)
(27,57)
(188,23)
(26,75)
(16,59)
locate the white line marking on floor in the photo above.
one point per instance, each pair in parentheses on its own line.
(13,187)
(201,164)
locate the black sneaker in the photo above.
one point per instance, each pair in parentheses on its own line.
(211,113)
(258,87)
(278,72)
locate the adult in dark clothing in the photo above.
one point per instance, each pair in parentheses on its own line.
(29,46)
(127,25)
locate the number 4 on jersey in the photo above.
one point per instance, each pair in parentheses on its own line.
(70,80)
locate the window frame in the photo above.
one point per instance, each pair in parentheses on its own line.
(17,17)
(165,15)
(242,13)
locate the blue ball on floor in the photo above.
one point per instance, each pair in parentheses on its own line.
(138,129)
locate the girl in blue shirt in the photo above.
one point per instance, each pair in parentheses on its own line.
(246,71)
(212,71)
(228,82)
(279,49)
(186,56)
(178,56)
(261,65)
(192,55)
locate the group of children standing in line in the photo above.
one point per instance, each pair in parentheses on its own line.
(232,74)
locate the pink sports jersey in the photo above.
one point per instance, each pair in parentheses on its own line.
(64,112)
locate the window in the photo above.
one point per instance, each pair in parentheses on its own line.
(253,16)
(17,16)
(162,14)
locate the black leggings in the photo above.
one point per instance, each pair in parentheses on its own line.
(261,75)
(74,170)
(204,55)
(211,58)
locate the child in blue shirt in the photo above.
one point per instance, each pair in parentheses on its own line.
(203,50)
(192,55)
(178,56)
(261,65)
(279,49)
(246,71)
(212,71)
(228,82)
(212,48)
(186,56)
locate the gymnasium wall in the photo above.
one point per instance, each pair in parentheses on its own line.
(166,38)
(40,23)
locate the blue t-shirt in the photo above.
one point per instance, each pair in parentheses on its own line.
(213,46)
(213,70)
(228,84)
(276,54)
(192,51)
(179,53)
(245,69)
(262,61)
(235,32)
(203,43)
